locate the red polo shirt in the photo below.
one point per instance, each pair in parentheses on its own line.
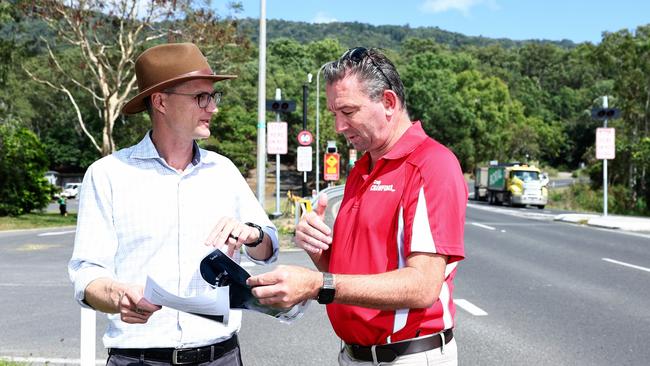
(413,201)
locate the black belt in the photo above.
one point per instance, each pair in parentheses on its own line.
(389,352)
(179,356)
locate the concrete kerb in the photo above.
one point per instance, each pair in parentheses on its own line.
(627,223)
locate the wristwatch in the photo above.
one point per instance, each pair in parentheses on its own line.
(327,292)
(259,240)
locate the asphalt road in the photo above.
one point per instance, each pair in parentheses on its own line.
(542,295)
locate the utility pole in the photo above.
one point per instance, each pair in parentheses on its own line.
(261,108)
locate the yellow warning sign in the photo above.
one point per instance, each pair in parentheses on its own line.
(331,168)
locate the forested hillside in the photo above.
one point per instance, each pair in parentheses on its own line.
(486,99)
(351,34)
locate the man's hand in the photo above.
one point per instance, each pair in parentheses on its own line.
(133,307)
(233,233)
(286,286)
(312,234)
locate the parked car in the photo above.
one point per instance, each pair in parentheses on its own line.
(71,190)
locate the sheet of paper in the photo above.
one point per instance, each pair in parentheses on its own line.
(214,302)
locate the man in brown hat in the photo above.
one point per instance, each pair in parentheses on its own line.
(156,209)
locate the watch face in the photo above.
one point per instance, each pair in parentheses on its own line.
(326,296)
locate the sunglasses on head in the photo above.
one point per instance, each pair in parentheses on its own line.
(358,54)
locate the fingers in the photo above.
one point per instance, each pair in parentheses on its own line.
(285,286)
(232,233)
(270,289)
(268,278)
(322,205)
(134,308)
(312,234)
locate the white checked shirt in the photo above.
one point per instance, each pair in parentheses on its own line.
(138,217)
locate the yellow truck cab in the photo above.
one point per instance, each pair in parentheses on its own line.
(516,184)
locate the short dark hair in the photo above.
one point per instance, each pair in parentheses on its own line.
(147,103)
(372,68)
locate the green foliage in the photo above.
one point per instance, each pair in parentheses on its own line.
(23,163)
(486,99)
(352,34)
(582,197)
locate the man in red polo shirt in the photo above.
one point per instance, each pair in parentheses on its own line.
(387,268)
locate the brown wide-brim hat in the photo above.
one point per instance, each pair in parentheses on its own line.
(162,66)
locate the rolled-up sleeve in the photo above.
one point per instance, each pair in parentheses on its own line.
(95,240)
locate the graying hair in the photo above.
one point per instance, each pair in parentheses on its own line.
(376,72)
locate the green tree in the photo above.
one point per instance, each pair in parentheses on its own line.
(23,163)
(624,57)
(106,37)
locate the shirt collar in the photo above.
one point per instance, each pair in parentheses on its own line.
(410,140)
(145,149)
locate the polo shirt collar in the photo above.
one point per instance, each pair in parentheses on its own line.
(410,140)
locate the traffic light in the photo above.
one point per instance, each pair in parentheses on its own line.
(280,106)
(601,114)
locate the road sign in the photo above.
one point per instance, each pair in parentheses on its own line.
(605,143)
(304,159)
(305,138)
(331,167)
(276,137)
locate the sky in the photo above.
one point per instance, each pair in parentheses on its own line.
(575,20)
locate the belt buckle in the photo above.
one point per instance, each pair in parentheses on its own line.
(175,356)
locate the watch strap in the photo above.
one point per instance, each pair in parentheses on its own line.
(259,239)
(327,292)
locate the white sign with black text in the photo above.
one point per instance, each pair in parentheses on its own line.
(304,159)
(605,143)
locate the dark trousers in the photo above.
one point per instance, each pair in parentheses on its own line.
(231,358)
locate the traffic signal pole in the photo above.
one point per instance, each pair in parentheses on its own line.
(305,92)
(277,213)
(605,105)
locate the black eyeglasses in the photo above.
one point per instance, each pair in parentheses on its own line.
(357,55)
(203,99)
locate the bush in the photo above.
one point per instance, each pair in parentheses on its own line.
(23,163)
(581,197)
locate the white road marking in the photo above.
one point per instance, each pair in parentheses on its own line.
(57,233)
(626,264)
(470,308)
(44,360)
(483,226)
(34,284)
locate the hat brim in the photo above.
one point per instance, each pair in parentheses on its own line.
(136,104)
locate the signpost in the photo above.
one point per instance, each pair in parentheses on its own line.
(277,139)
(605,141)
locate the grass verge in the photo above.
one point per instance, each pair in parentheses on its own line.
(36,220)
